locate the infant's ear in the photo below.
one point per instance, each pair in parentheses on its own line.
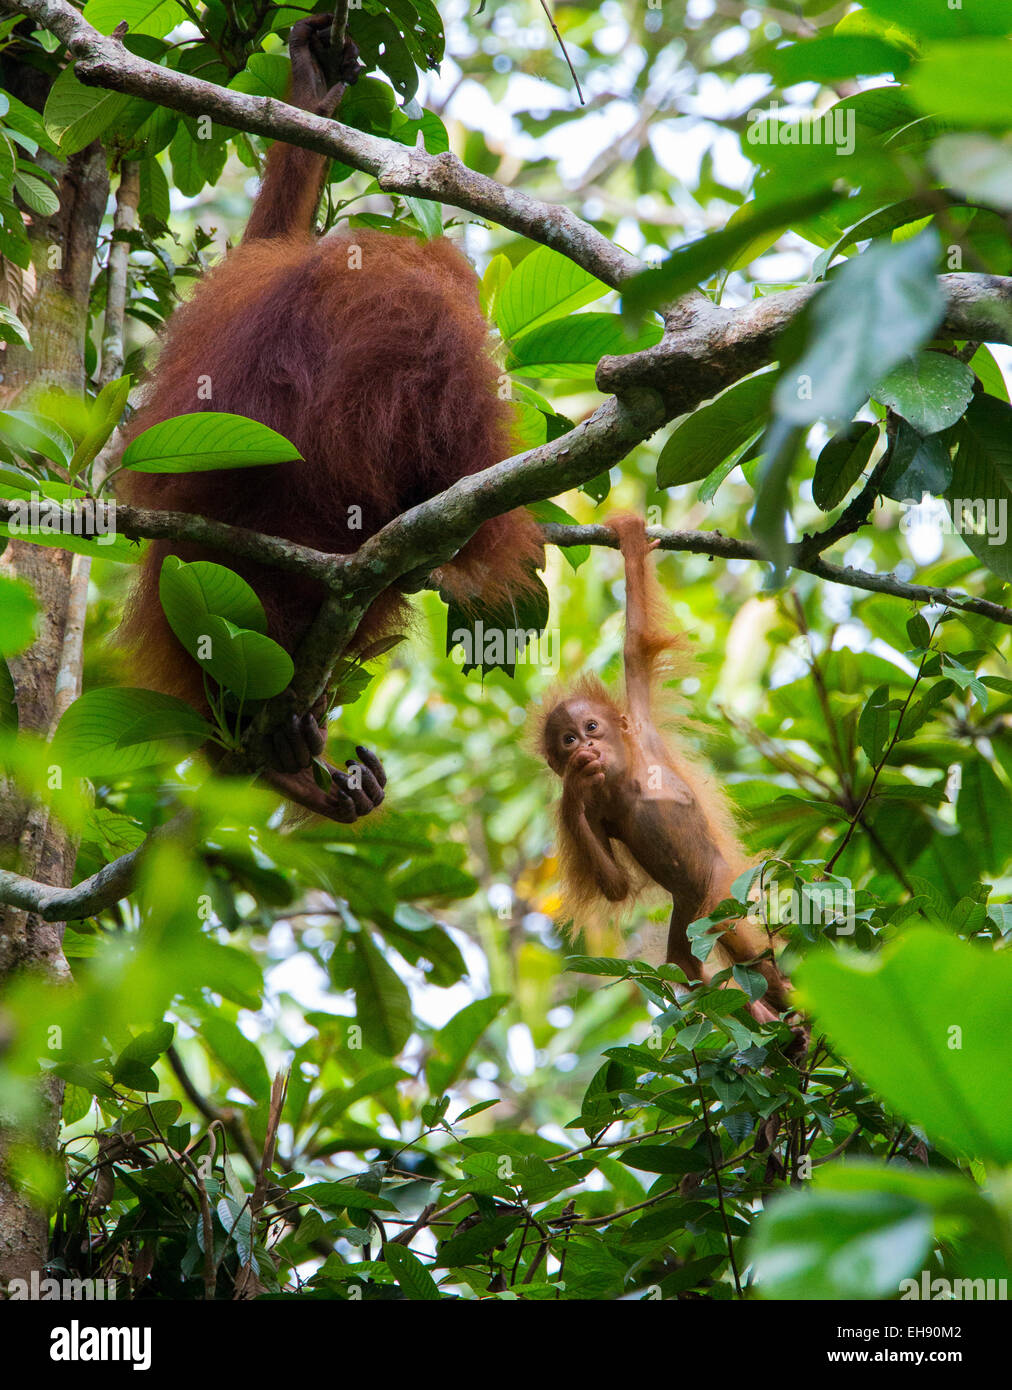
(623,723)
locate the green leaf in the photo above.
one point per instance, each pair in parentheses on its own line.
(716,432)
(17,617)
(75,114)
(206,440)
(571,348)
(12,330)
(452,1045)
(191,593)
(416,1281)
(136,1059)
(918,464)
(873,725)
(919,631)
(91,733)
(37,194)
(250,665)
(530,427)
(382,1002)
(842,462)
(240,1057)
(196,162)
(664,1158)
(265,75)
(938,84)
(155,17)
(836,56)
(918,1023)
(982,474)
(690,265)
(851,1245)
(545,285)
(27,432)
(154,192)
(105,414)
(574,555)
(878,309)
(937,21)
(930,390)
(476,1240)
(497,272)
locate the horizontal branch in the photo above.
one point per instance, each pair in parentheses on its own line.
(143,523)
(707,347)
(116,880)
(802,558)
(104,62)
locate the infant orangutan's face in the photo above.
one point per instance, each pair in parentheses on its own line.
(586,738)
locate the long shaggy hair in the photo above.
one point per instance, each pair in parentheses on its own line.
(379,376)
(600,919)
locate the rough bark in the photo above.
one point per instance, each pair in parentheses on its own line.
(63,251)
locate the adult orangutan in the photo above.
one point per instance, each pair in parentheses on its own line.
(633,806)
(367,351)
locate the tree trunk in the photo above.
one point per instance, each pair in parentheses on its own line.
(48,674)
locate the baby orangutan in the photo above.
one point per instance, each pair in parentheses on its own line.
(625,784)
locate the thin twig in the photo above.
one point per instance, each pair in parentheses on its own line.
(565,54)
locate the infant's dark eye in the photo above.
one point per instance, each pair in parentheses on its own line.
(569,738)
(591,726)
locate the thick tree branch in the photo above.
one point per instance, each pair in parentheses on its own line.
(430,534)
(707,347)
(104,62)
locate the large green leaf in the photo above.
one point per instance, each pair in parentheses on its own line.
(206,440)
(716,431)
(571,348)
(190,593)
(413,1277)
(842,462)
(855,1245)
(834,56)
(383,1005)
(545,285)
(923,1023)
(878,309)
(155,17)
(250,665)
(94,736)
(452,1045)
(26,433)
(930,390)
(75,114)
(982,474)
(939,83)
(692,264)
(938,21)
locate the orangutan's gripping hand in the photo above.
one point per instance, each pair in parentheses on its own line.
(352,793)
(320,76)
